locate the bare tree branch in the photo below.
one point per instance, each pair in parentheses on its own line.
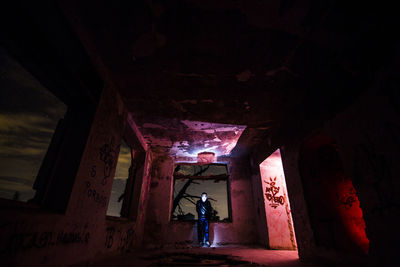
(181,193)
(191,196)
(188,199)
(180,211)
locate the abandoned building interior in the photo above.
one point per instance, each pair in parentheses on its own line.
(115,116)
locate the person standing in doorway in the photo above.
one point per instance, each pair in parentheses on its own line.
(203,208)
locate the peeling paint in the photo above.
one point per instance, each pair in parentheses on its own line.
(185,139)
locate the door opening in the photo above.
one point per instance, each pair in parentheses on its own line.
(276,201)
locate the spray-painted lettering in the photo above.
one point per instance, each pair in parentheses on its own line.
(271,191)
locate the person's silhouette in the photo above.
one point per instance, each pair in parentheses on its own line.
(203,208)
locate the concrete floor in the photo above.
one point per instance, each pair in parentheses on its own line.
(221,256)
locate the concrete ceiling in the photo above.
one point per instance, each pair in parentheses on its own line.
(272,66)
(184,139)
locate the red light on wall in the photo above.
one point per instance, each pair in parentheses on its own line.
(331,194)
(351,214)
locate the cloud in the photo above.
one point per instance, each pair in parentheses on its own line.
(124,162)
(21,122)
(24,140)
(14,186)
(23,151)
(29,114)
(25,136)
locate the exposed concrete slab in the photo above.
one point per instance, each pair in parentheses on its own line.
(222,256)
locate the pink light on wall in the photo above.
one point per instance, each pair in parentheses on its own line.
(206,157)
(277,206)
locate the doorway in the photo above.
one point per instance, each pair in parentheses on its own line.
(277,206)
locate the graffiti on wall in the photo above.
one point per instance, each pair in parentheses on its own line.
(97,197)
(107,156)
(122,240)
(349,198)
(271,191)
(25,239)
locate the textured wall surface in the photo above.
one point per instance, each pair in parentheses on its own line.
(243,78)
(33,237)
(160,231)
(368,143)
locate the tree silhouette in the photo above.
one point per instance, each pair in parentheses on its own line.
(182,193)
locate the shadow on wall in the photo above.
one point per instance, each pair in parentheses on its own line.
(335,213)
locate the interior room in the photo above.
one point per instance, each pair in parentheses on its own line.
(199,133)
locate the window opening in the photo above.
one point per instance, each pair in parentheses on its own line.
(29,115)
(118,191)
(190,181)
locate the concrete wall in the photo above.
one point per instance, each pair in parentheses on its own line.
(161,232)
(289,154)
(368,142)
(32,237)
(369,145)
(334,208)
